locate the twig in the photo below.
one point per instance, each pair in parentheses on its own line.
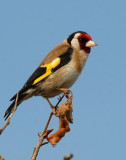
(8,120)
(40,143)
(41,138)
(46,132)
(1,157)
(51,114)
(60,99)
(68,157)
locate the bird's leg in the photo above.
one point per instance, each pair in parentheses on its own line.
(56,106)
(53,107)
(50,103)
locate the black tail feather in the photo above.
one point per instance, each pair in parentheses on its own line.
(13,98)
(10,108)
(21,93)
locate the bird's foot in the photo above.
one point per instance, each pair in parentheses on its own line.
(66,92)
(54,108)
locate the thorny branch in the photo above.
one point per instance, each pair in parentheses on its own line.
(8,120)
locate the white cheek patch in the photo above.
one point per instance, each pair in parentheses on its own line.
(76,35)
(75,42)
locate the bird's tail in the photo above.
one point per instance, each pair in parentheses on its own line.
(21,97)
(9,110)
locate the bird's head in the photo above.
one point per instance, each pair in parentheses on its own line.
(81,41)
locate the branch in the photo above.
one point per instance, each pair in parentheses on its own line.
(40,143)
(64,112)
(60,99)
(41,138)
(1,157)
(8,120)
(51,114)
(68,157)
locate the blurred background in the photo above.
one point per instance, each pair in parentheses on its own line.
(28,31)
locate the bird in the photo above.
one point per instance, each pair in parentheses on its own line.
(59,69)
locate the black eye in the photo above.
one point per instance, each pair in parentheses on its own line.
(82,40)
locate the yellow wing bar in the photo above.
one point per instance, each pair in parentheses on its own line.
(49,68)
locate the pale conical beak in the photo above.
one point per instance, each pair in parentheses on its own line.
(90,44)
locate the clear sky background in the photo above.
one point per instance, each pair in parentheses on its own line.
(29,29)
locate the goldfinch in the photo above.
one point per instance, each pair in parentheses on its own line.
(59,69)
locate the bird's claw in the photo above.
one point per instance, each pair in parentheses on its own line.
(66,92)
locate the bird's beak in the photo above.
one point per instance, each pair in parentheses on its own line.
(90,44)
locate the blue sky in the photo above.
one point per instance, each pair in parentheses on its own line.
(29,29)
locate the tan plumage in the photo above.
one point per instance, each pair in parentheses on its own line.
(60,78)
(59,50)
(59,69)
